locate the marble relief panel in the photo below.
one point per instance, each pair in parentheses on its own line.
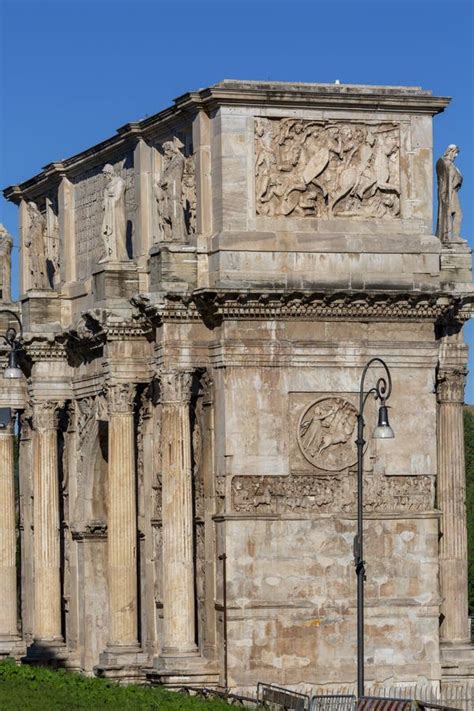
(327,169)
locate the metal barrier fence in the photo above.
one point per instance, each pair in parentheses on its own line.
(385,703)
(428,697)
(333,702)
(284,698)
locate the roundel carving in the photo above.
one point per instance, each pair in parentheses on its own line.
(326,433)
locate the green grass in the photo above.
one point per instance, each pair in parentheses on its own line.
(25,688)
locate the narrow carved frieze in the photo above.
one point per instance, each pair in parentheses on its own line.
(333,493)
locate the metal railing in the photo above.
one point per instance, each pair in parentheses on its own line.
(281,697)
(333,702)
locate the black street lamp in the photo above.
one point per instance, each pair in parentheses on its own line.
(13,370)
(381,391)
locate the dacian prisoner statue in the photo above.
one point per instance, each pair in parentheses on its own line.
(114,222)
(35,243)
(169,194)
(449,183)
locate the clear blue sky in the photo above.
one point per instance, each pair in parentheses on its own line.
(72,71)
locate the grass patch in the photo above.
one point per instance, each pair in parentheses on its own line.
(25,688)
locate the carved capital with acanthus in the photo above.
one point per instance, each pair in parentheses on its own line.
(450,385)
(45,415)
(120,398)
(176,386)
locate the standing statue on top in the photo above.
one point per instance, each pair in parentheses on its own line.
(35,243)
(448,228)
(6,243)
(169,194)
(113,223)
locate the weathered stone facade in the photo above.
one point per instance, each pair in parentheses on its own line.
(200,294)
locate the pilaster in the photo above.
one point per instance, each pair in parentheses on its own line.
(10,641)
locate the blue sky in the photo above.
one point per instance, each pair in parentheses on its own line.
(72,71)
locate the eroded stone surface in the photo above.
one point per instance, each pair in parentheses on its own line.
(193,392)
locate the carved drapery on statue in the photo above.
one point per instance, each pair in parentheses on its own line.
(36,245)
(175,194)
(114,221)
(6,243)
(327,168)
(449,208)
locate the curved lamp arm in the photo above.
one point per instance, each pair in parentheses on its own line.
(382,389)
(12,338)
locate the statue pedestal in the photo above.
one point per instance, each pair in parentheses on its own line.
(115,280)
(40,307)
(456,262)
(171,266)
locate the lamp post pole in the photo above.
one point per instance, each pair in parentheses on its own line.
(381,391)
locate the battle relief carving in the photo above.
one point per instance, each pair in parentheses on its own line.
(327,168)
(335,493)
(326,433)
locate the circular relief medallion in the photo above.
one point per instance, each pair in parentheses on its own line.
(326,433)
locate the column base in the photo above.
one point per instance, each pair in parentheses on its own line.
(122,663)
(47,652)
(457,661)
(176,669)
(12,646)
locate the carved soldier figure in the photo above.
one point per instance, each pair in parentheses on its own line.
(449,208)
(169,194)
(35,243)
(113,223)
(6,243)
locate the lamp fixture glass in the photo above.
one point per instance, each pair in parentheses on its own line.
(12,371)
(383,429)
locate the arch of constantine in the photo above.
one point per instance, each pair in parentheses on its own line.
(199,296)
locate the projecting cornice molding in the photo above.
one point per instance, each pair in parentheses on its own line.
(286,96)
(213,306)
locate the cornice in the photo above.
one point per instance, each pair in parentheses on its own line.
(214,306)
(38,347)
(254,94)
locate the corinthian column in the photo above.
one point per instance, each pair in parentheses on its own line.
(452,503)
(46,522)
(177,517)
(8,594)
(122,520)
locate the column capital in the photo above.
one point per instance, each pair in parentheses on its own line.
(120,398)
(45,414)
(450,385)
(176,386)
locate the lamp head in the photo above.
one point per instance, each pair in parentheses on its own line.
(12,371)
(383,429)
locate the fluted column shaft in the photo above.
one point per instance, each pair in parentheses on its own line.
(177,516)
(452,503)
(46,522)
(122,518)
(8,596)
